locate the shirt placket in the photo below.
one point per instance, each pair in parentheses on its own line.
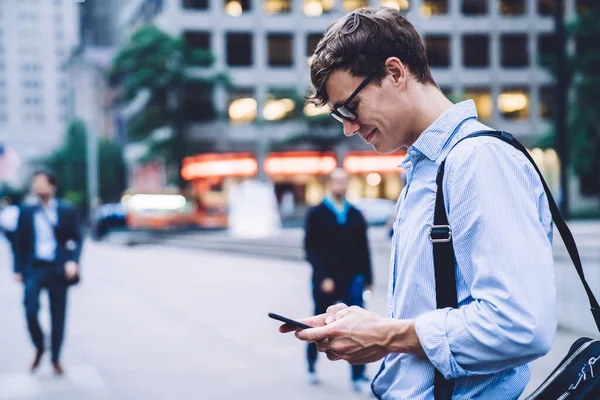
(409,168)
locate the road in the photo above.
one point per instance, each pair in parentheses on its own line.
(157,322)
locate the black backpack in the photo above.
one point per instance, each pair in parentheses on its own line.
(576,377)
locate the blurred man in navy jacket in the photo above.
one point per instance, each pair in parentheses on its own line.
(336,246)
(47,249)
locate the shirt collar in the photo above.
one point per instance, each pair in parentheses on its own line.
(432,141)
(52,204)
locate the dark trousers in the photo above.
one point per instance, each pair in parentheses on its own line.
(351,295)
(50,277)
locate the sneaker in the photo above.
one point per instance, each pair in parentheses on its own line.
(313,379)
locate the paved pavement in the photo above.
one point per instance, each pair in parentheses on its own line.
(155,322)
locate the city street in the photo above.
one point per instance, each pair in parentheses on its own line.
(156,322)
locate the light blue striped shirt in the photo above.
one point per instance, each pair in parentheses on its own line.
(502,233)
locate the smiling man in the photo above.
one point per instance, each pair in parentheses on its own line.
(371,70)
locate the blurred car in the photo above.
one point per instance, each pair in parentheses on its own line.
(108,218)
(376,211)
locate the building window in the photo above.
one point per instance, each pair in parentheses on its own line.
(513,103)
(280,50)
(547,102)
(278,6)
(198,102)
(512,7)
(474,7)
(400,5)
(545,7)
(546,47)
(582,6)
(476,51)
(438,50)
(235,8)
(434,7)
(483,101)
(195,4)
(312,40)
(514,51)
(239,49)
(314,8)
(242,105)
(351,5)
(279,105)
(197,40)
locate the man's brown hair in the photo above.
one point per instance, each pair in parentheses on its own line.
(360,42)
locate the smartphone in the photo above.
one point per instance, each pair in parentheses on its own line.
(288,321)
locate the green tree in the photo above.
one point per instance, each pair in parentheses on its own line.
(584,101)
(162,67)
(69,163)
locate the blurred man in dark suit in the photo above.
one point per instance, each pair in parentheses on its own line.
(337,248)
(47,249)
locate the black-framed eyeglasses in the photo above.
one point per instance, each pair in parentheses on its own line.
(344,111)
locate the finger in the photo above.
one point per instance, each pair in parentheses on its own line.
(324,345)
(333,356)
(316,334)
(335,308)
(286,328)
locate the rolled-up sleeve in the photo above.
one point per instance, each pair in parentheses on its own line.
(502,234)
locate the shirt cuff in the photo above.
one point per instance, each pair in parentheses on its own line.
(431,331)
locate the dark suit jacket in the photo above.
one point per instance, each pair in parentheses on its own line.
(337,251)
(68,236)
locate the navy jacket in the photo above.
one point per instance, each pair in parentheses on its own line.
(337,251)
(68,236)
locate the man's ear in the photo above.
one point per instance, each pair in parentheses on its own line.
(397,71)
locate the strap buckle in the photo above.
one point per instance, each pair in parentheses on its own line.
(440,233)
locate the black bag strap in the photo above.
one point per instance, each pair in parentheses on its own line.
(443,251)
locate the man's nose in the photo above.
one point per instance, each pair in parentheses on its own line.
(350,128)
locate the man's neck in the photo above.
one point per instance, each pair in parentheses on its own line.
(339,200)
(45,200)
(430,104)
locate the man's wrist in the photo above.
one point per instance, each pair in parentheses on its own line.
(400,336)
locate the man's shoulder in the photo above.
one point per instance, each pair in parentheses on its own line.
(470,149)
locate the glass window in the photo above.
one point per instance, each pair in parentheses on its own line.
(280,49)
(546,46)
(315,8)
(242,105)
(514,51)
(547,102)
(312,40)
(197,40)
(195,4)
(474,7)
(239,49)
(351,5)
(545,7)
(513,103)
(482,97)
(438,50)
(434,7)
(512,7)
(278,6)
(582,6)
(401,5)
(198,104)
(476,51)
(235,8)
(280,105)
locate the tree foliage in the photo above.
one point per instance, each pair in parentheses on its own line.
(160,65)
(69,163)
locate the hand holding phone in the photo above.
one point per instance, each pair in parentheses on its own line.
(289,321)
